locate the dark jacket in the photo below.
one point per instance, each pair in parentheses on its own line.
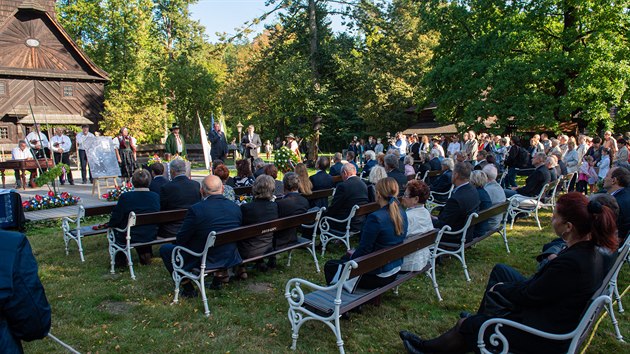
(157,183)
(443,182)
(24,309)
(435,164)
(623,221)
(348,194)
(140,201)
(463,201)
(321,180)
(256,212)
(291,204)
(335,170)
(180,193)
(368,167)
(378,233)
(535,182)
(484,203)
(251,152)
(215,213)
(555,297)
(219,148)
(400,178)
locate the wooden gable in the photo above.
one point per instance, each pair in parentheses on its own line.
(34,44)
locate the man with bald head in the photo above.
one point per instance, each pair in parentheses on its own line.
(213,213)
(352,191)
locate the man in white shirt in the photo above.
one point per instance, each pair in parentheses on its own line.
(61,145)
(81,137)
(21,152)
(38,141)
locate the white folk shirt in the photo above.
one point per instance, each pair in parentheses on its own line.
(81,139)
(180,147)
(63,141)
(33,136)
(19,154)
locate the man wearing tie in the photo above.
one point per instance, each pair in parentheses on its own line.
(61,146)
(175,144)
(219,143)
(251,142)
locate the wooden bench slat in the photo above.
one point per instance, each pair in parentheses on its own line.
(99,210)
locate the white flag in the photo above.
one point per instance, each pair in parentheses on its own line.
(205,144)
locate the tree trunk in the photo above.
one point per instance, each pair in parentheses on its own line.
(312,19)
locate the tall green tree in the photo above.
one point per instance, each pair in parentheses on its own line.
(528,63)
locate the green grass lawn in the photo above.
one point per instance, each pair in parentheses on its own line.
(96,312)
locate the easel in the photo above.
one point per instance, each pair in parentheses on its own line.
(96,185)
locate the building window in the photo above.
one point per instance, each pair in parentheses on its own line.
(4,132)
(3,88)
(68,91)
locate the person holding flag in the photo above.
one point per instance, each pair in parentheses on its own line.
(219,149)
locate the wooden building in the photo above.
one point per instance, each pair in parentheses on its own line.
(43,72)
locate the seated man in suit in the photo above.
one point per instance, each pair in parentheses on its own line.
(335,170)
(536,181)
(259,167)
(370,162)
(391,166)
(293,203)
(180,193)
(444,181)
(463,201)
(213,213)
(141,200)
(435,160)
(157,173)
(321,180)
(616,182)
(352,191)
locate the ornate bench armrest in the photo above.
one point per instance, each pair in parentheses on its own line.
(177,257)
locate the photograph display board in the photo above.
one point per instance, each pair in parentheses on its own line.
(101,156)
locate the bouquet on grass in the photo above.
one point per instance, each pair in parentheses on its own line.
(114,194)
(50,201)
(285,159)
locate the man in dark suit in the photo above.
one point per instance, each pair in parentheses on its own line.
(463,201)
(536,181)
(444,181)
(157,173)
(352,191)
(251,142)
(293,203)
(435,161)
(141,200)
(391,166)
(219,149)
(616,183)
(321,180)
(414,148)
(180,193)
(214,213)
(335,169)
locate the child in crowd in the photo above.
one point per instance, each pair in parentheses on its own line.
(604,164)
(268,149)
(586,175)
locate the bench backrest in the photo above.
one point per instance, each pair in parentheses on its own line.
(158,217)
(249,231)
(494,210)
(381,257)
(337,179)
(99,210)
(367,209)
(322,193)
(434,173)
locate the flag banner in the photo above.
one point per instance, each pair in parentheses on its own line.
(205,144)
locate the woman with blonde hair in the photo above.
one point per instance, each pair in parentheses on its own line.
(305,185)
(383,228)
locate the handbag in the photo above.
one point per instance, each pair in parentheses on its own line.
(496,305)
(332,272)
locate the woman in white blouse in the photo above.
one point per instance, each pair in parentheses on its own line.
(419,222)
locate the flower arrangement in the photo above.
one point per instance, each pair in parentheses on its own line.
(285,159)
(50,201)
(154,159)
(114,194)
(50,174)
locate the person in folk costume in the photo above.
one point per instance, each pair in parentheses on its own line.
(294,146)
(125,153)
(175,144)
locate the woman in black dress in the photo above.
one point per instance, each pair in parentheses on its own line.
(126,153)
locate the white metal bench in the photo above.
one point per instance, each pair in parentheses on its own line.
(520,204)
(438,199)
(457,250)
(327,233)
(309,301)
(76,232)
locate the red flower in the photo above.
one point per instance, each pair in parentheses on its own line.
(105,196)
(38,197)
(65,195)
(51,194)
(129,185)
(25,204)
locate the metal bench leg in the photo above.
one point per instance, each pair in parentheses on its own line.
(112,256)
(80,244)
(296,322)
(314,254)
(130,263)
(338,335)
(537,219)
(615,323)
(513,216)
(324,240)
(434,280)
(504,234)
(465,266)
(346,240)
(66,240)
(177,279)
(204,298)
(615,291)
(289,260)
